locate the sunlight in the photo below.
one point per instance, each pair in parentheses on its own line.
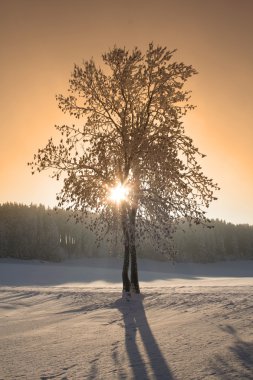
(119,193)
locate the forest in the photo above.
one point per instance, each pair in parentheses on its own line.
(36,232)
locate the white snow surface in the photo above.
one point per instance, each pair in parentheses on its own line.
(68,321)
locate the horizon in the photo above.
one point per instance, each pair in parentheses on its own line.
(55,208)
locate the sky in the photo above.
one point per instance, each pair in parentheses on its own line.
(40,40)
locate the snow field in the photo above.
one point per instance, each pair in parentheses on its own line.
(186,325)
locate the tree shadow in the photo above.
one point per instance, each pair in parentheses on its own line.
(135,321)
(240,366)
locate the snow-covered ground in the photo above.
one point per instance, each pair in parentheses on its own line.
(68,321)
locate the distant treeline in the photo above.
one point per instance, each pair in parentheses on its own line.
(34,232)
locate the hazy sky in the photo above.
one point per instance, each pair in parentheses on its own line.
(40,40)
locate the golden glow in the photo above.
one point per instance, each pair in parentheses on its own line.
(119,193)
(34,34)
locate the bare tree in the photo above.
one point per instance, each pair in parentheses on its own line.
(130,161)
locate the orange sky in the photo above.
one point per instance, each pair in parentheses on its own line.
(40,40)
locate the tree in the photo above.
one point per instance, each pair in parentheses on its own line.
(130,163)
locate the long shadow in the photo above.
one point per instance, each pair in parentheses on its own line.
(135,320)
(241,367)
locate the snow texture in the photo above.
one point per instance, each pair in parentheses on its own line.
(69,321)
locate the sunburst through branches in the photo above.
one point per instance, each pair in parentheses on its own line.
(119,193)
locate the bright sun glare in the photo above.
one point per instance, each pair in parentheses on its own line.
(119,193)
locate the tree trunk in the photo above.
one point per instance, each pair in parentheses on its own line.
(135,288)
(134,269)
(125,278)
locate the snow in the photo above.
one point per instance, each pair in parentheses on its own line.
(68,321)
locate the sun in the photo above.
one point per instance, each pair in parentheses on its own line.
(119,193)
